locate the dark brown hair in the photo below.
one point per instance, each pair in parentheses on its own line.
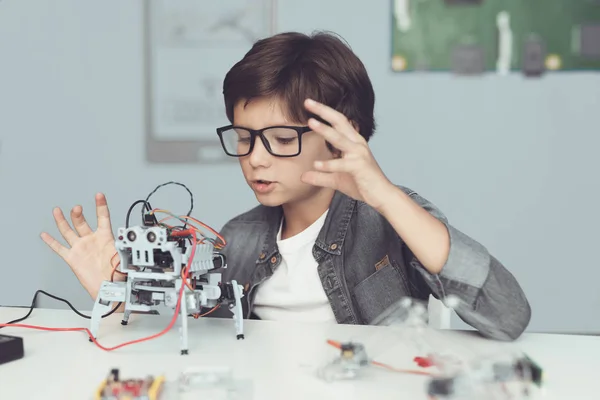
(293,67)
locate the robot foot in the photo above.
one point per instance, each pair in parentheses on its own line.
(184,352)
(241,336)
(123,322)
(90,339)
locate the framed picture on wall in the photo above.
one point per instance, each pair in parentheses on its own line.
(189,47)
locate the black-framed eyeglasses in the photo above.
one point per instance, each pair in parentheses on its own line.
(280,141)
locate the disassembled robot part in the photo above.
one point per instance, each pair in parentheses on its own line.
(352,359)
(112,388)
(213,382)
(512,379)
(155,259)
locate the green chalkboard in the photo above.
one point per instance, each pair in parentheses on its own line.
(476,36)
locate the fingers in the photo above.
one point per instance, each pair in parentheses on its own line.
(55,245)
(102,212)
(322,179)
(63,227)
(79,222)
(335,118)
(338,140)
(336,165)
(330,115)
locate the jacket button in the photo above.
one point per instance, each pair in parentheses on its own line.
(262,256)
(333,246)
(273,260)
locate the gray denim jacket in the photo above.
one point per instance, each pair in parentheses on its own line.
(365,267)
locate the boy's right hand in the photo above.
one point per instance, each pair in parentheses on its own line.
(90,253)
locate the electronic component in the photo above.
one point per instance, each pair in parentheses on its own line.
(454,371)
(468,59)
(11,348)
(402,14)
(489,378)
(505,43)
(212,382)
(529,370)
(442,387)
(113,388)
(590,41)
(352,358)
(534,56)
(463,2)
(569,31)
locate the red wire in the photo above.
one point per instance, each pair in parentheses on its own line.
(175,315)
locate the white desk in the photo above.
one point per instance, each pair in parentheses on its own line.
(279,358)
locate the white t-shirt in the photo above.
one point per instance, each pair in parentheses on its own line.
(295,292)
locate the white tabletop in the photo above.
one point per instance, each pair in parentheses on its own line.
(279,358)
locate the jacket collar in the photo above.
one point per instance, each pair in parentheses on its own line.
(331,237)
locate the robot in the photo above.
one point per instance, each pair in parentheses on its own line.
(168,267)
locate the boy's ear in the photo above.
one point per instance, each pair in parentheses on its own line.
(355,126)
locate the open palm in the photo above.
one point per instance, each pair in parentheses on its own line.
(89,253)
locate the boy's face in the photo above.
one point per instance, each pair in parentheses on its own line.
(283,173)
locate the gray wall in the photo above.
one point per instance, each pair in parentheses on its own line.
(511,161)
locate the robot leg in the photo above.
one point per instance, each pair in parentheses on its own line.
(236,309)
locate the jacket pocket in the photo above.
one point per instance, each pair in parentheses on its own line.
(379,291)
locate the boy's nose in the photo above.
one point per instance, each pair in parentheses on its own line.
(260,156)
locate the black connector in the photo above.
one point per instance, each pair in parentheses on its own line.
(527,368)
(219,260)
(226,292)
(11,348)
(150,220)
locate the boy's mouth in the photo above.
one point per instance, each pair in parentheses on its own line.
(262,186)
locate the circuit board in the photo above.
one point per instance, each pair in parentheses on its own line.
(475,36)
(115,388)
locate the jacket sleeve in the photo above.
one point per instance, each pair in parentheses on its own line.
(492,300)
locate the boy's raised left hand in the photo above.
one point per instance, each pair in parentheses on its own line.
(356,173)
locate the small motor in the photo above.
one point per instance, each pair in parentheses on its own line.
(353,358)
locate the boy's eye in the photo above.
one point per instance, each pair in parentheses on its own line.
(284,140)
(243,139)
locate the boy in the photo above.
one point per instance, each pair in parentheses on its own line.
(333,239)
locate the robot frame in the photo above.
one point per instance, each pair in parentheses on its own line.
(166,266)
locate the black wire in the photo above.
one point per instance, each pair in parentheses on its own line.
(59,299)
(131,209)
(175,183)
